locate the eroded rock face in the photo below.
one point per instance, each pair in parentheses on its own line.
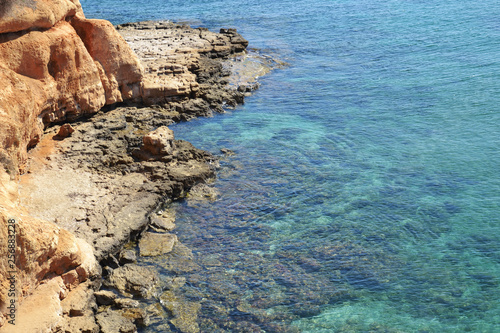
(119,69)
(67,67)
(18,15)
(56,59)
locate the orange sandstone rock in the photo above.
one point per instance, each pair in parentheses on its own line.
(71,67)
(42,251)
(119,68)
(55,65)
(65,71)
(160,141)
(18,15)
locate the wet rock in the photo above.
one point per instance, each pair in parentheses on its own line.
(162,223)
(180,260)
(176,282)
(247,88)
(236,39)
(137,315)
(78,311)
(227,152)
(193,108)
(127,257)
(185,313)
(156,314)
(122,303)
(112,321)
(203,192)
(154,244)
(133,280)
(105,297)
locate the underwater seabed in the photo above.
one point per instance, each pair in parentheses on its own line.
(318,240)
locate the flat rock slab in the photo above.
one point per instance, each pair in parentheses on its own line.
(153,244)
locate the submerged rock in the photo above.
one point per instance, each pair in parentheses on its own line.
(185,313)
(126,303)
(180,260)
(176,282)
(139,316)
(153,244)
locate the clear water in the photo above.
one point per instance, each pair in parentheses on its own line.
(365,190)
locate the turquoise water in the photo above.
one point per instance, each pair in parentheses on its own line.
(364,195)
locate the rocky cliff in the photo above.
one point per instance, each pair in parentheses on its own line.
(55,65)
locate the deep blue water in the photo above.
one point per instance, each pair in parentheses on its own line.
(364,195)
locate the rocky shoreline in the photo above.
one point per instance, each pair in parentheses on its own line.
(105,178)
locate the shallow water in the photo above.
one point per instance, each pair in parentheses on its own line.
(364,193)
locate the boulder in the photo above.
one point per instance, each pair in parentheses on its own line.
(153,244)
(65,131)
(134,280)
(159,141)
(165,222)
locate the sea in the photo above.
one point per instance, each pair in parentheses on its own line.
(363,194)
